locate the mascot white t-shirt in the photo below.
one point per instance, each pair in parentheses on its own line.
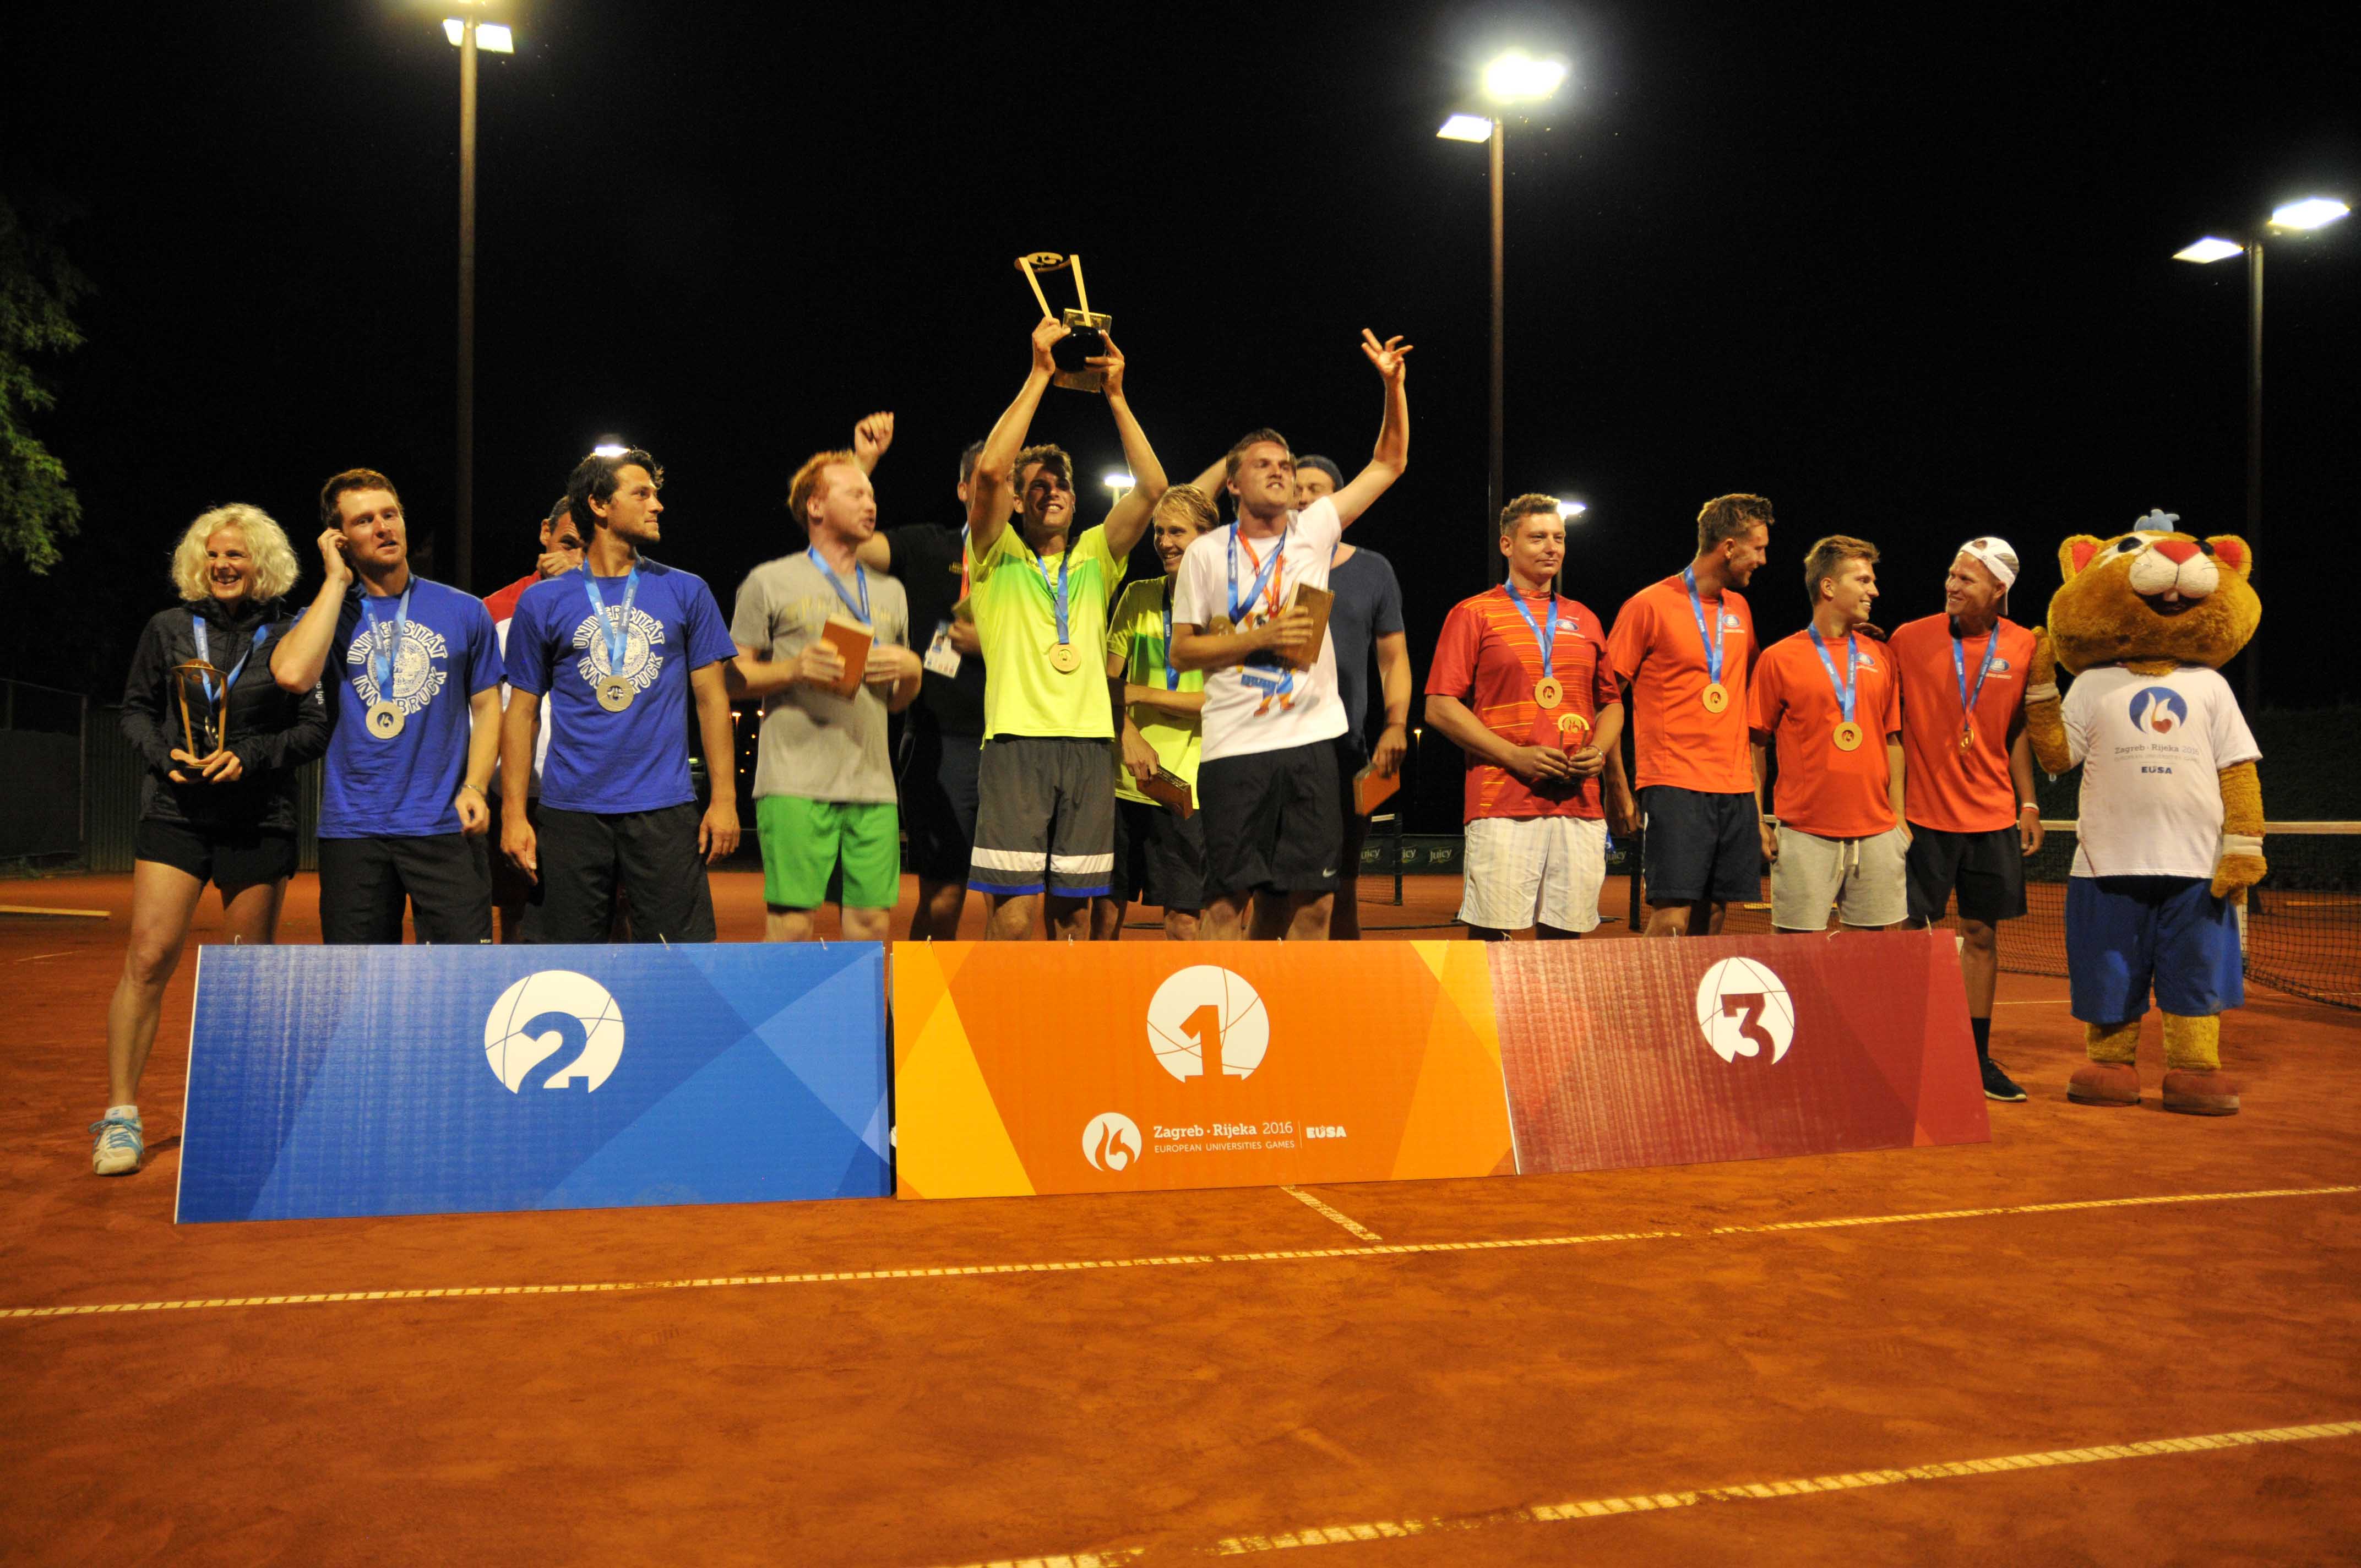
(2151,748)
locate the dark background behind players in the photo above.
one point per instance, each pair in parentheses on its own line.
(1870,264)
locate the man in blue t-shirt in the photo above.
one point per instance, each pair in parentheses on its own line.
(413,691)
(620,646)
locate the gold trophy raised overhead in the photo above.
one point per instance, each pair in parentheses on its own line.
(1086,329)
(205,723)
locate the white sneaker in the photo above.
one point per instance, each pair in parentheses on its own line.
(118,1147)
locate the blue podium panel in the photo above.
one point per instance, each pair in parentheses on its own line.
(330,1081)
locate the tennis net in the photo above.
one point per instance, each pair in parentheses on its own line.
(2302,922)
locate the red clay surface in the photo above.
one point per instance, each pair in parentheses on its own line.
(1162,1410)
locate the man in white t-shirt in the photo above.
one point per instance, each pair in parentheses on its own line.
(1266,779)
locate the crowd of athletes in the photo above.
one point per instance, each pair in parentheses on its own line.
(1197,741)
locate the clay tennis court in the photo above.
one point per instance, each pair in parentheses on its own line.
(2107,1336)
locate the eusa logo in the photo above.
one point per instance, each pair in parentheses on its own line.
(2158,710)
(556,1017)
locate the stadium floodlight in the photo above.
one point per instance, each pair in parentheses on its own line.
(2211,248)
(1465,127)
(1517,77)
(609,449)
(496,37)
(1115,479)
(2311,213)
(1568,510)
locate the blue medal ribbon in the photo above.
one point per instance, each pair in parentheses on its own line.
(1959,668)
(381,669)
(1171,671)
(1544,629)
(204,655)
(1713,642)
(618,635)
(1058,594)
(1848,689)
(1261,577)
(859,579)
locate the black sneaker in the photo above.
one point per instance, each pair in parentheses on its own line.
(1998,1085)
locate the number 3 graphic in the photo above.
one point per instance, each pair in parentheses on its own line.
(1747,1008)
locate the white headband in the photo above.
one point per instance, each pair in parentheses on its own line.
(1997,557)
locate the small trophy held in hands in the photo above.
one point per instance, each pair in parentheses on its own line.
(1086,329)
(203,692)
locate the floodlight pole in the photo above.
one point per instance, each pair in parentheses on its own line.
(1496,480)
(462,510)
(2254,679)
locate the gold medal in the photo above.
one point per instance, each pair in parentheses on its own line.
(615,694)
(1846,735)
(1549,694)
(1220,626)
(1716,698)
(385,720)
(1968,736)
(1064,659)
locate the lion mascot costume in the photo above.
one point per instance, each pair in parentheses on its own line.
(2170,835)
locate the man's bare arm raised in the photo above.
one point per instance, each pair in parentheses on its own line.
(988,495)
(1128,520)
(1392,454)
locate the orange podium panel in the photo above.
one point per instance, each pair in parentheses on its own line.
(1024,1068)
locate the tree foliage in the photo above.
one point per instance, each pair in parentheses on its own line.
(38,289)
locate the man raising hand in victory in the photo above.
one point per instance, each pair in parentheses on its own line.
(1044,791)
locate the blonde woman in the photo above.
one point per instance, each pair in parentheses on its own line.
(227,817)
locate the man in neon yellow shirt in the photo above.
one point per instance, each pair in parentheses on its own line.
(1045,790)
(1159,855)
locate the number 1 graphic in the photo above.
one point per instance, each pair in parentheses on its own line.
(1204,1026)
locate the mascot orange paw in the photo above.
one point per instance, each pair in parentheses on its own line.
(2236,873)
(2104,1083)
(2194,1093)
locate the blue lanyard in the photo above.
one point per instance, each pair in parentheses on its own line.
(205,655)
(381,667)
(1262,574)
(1959,668)
(859,579)
(1849,690)
(1058,593)
(619,637)
(1171,672)
(1544,629)
(1713,644)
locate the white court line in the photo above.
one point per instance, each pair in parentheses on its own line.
(1754,1491)
(1322,1209)
(32,957)
(2037,1002)
(1287,1254)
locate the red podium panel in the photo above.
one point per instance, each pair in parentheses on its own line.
(1630,1053)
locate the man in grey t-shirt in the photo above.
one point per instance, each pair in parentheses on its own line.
(823,783)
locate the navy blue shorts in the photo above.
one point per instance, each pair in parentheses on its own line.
(1700,848)
(2123,932)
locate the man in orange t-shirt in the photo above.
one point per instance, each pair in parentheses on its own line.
(1827,700)
(1974,818)
(1683,648)
(1521,683)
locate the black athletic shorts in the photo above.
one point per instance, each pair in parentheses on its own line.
(444,877)
(1987,869)
(1158,857)
(232,858)
(1045,818)
(937,783)
(1351,758)
(651,856)
(1272,821)
(1701,849)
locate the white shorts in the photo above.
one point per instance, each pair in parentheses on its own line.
(1865,878)
(1527,870)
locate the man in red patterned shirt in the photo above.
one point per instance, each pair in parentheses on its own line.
(1521,682)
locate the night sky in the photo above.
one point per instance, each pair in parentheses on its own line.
(1911,280)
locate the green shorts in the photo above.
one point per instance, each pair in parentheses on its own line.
(803,840)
